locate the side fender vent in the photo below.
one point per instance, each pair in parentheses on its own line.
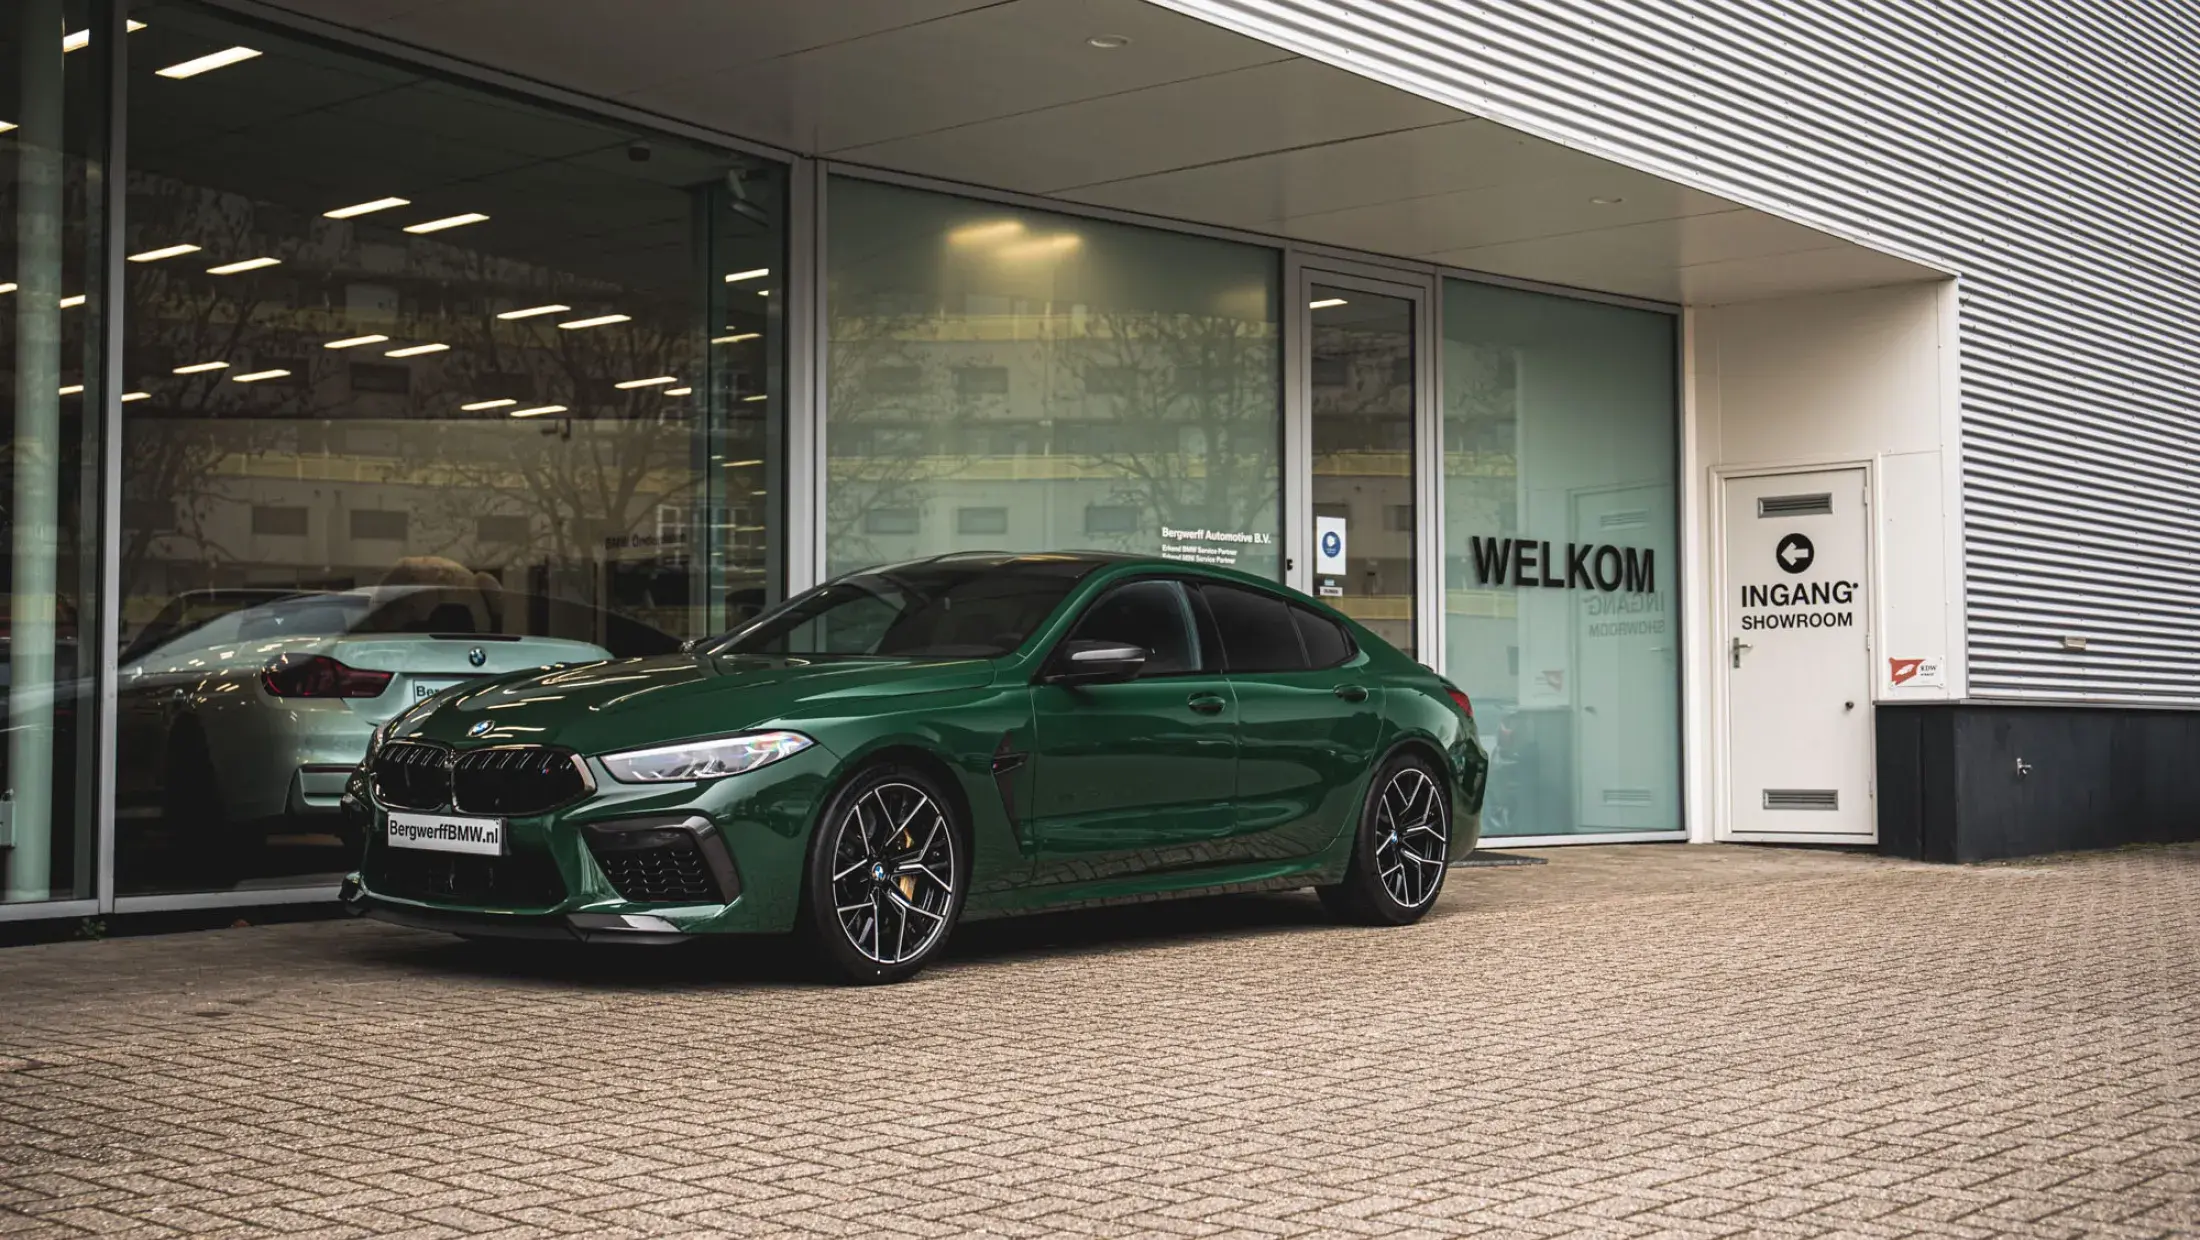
(1006,762)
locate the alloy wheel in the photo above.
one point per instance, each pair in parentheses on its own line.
(893,873)
(1412,837)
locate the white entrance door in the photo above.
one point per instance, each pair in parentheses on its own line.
(1796,657)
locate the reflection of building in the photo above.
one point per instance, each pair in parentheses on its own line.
(366,403)
(364,311)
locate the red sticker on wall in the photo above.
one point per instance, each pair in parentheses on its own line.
(1918,673)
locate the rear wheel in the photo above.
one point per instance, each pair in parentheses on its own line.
(1400,850)
(886,876)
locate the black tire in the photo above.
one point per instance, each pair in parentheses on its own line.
(208,846)
(889,839)
(1400,850)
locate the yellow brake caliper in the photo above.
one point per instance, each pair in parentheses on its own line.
(907,882)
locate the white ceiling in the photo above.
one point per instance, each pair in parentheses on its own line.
(1186,121)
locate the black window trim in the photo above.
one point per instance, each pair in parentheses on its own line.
(1351,643)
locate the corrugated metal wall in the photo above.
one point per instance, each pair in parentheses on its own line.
(2049,152)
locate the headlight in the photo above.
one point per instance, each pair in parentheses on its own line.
(381,733)
(728,755)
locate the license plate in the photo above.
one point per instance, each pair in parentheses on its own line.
(447,833)
(424,689)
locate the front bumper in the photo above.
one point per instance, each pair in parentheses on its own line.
(635,929)
(561,873)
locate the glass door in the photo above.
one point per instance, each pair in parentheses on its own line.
(1362,398)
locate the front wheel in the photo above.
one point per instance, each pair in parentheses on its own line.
(886,876)
(1400,850)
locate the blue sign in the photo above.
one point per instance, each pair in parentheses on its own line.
(1332,545)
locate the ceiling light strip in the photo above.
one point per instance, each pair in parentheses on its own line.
(247,264)
(166,251)
(207,63)
(362,208)
(448,221)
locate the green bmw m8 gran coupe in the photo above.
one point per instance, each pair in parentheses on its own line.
(907,747)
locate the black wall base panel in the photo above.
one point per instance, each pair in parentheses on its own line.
(1966,782)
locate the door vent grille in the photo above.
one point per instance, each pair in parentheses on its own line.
(1626,796)
(1795,505)
(1633,518)
(1802,798)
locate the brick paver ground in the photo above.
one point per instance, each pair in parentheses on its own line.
(1624,1042)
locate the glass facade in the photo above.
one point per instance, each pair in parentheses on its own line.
(50,317)
(1000,378)
(423,382)
(419,380)
(1560,568)
(1361,380)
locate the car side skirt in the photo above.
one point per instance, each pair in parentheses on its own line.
(1168,885)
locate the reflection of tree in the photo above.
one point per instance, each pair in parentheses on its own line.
(175,445)
(887,442)
(1481,428)
(1194,437)
(583,480)
(203,450)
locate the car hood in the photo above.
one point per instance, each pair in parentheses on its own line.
(631,703)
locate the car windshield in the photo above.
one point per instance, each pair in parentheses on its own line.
(929,610)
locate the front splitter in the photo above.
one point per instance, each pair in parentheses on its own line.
(637,930)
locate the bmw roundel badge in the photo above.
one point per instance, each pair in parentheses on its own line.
(481,729)
(477,656)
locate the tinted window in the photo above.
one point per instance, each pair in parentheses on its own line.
(1152,615)
(1257,631)
(930,609)
(1326,644)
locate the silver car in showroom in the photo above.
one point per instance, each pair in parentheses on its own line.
(243,712)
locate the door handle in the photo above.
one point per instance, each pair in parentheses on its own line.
(1739,647)
(1206,703)
(1351,693)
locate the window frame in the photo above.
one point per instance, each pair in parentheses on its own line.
(1351,643)
(1353,650)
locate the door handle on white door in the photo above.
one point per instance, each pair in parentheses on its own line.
(1739,647)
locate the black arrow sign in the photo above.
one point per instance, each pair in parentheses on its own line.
(1795,553)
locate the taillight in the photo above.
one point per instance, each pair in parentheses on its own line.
(1458,698)
(318,676)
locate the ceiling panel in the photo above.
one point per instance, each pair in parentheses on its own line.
(1669,244)
(609,50)
(1221,117)
(1255,190)
(978,66)
(1185,121)
(1826,269)
(1603,200)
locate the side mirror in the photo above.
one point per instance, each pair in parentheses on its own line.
(1095,663)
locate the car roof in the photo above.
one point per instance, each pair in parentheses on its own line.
(1094,560)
